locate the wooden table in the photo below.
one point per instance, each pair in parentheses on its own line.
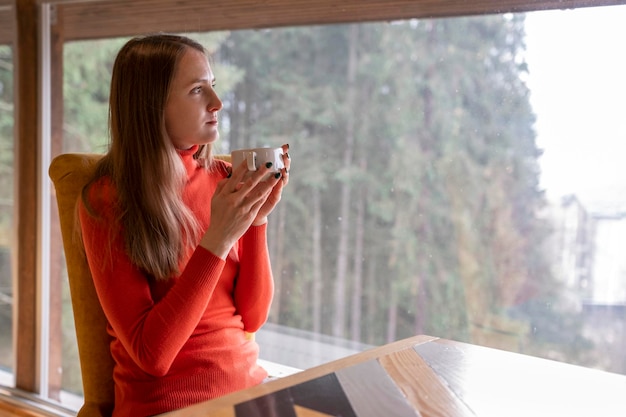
(426,376)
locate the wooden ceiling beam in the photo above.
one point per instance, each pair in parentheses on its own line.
(94,19)
(112,18)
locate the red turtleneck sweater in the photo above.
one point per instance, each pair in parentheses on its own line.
(181,341)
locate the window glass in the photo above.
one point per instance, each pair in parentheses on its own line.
(417,201)
(6,213)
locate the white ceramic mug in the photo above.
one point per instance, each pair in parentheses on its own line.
(257,157)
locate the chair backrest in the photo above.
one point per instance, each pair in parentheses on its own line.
(69,174)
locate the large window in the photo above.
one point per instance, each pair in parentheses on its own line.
(418,199)
(434,188)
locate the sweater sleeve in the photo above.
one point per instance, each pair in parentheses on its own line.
(255,285)
(152,333)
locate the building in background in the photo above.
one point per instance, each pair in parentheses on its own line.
(590,260)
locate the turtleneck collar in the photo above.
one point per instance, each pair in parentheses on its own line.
(187,156)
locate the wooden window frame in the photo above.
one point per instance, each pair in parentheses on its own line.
(92,19)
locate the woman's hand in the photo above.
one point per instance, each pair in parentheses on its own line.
(239,201)
(277,191)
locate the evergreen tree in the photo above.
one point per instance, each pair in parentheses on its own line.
(434,149)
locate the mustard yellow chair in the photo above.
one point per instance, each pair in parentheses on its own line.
(69,173)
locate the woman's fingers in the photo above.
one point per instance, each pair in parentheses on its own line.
(246,188)
(286,163)
(237,176)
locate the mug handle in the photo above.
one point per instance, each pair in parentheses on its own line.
(251,161)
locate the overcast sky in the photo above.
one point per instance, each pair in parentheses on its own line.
(577,63)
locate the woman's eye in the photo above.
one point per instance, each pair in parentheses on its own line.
(196,90)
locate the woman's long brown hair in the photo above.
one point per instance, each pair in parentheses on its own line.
(142,163)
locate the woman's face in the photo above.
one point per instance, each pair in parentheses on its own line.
(192,105)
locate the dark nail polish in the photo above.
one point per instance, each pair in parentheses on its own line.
(277,175)
(287,155)
(268,165)
(229,174)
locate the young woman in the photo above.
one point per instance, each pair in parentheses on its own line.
(176,240)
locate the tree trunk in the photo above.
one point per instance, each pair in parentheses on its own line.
(317,261)
(392,318)
(357,285)
(344,224)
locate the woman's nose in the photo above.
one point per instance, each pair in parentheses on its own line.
(214,102)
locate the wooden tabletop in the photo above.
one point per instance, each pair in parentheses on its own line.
(429,377)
